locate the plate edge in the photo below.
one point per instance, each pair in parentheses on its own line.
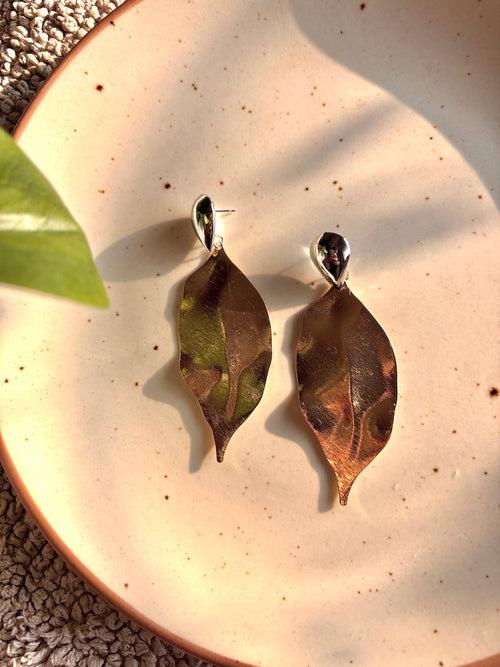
(8,464)
(25,117)
(91,579)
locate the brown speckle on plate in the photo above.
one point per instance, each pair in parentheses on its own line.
(494,392)
(99,87)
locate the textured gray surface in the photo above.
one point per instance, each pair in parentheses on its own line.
(47,614)
(35,35)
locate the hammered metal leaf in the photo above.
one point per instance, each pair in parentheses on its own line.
(225,340)
(346,372)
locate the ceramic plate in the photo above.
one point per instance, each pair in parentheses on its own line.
(375,120)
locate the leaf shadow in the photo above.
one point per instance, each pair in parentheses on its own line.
(369,43)
(286,420)
(167,386)
(151,252)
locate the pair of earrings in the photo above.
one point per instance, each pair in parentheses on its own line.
(346,369)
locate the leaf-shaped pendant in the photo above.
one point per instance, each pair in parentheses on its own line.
(346,371)
(225,339)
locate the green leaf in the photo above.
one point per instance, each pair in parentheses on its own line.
(41,245)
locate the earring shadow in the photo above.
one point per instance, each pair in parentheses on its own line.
(287,420)
(167,386)
(150,252)
(147,253)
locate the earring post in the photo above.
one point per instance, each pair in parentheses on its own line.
(225,210)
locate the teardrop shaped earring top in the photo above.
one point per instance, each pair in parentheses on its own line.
(203,218)
(331,253)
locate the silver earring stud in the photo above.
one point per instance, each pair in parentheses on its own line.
(203,218)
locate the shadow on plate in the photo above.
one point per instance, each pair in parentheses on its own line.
(151,252)
(286,420)
(428,60)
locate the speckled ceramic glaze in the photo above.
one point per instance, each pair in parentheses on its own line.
(377,121)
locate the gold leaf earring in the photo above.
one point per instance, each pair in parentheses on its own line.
(224,334)
(346,370)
